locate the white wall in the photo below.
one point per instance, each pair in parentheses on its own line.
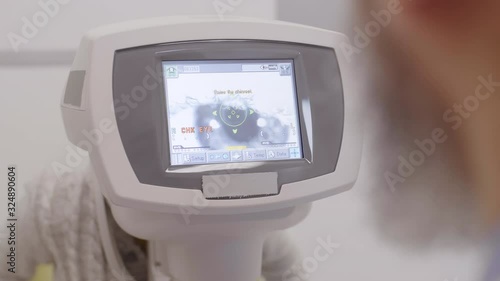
(32,134)
(329,14)
(64,29)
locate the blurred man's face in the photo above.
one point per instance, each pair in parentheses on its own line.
(421,190)
(425,87)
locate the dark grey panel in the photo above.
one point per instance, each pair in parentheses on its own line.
(74,88)
(140,108)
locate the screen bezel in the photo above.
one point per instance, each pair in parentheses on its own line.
(143,129)
(294,96)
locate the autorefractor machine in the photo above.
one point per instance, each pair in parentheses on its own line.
(207,135)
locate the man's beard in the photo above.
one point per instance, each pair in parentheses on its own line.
(432,204)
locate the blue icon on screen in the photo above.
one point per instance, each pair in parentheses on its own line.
(294,152)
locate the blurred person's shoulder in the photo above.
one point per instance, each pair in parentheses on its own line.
(59,203)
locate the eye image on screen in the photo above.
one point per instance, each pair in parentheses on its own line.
(231,111)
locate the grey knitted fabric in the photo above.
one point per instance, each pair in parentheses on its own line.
(58,224)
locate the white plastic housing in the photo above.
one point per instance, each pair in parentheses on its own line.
(96,114)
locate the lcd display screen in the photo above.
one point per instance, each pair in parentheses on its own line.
(232,111)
